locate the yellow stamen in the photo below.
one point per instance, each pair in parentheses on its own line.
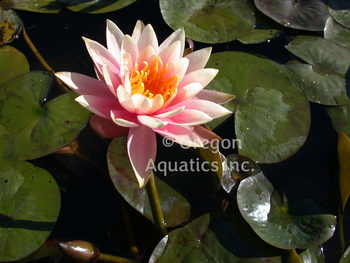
(150,81)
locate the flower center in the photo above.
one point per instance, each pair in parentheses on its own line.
(151,81)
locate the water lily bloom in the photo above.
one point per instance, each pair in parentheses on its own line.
(144,88)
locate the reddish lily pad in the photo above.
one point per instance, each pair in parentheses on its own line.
(12,64)
(272,117)
(175,208)
(337,33)
(340,11)
(209,21)
(263,209)
(37,127)
(324,78)
(10,26)
(29,207)
(302,14)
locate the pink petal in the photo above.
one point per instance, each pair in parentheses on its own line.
(166,113)
(107,128)
(214,96)
(99,105)
(137,30)
(82,84)
(142,104)
(186,93)
(202,76)
(171,53)
(114,39)
(206,134)
(124,118)
(100,54)
(210,108)
(180,134)
(125,100)
(142,149)
(178,35)
(111,80)
(126,65)
(198,59)
(157,103)
(129,46)
(151,122)
(148,38)
(147,54)
(190,117)
(178,67)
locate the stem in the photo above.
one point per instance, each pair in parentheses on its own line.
(115,259)
(155,205)
(340,227)
(42,60)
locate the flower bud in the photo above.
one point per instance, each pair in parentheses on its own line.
(78,251)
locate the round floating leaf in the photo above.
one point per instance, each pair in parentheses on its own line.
(302,14)
(324,79)
(175,208)
(340,117)
(29,207)
(346,257)
(312,255)
(213,238)
(10,26)
(340,11)
(262,208)
(209,21)
(256,36)
(37,127)
(39,6)
(12,64)
(7,149)
(337,33)
(344,167)
(272,117)
(96,7)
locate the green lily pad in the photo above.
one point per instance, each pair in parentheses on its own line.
(256,36)
(337,33)
(12,64)
(302,14)
(37,127)
(340,11)
(96,7)
(216,237)
(10,26)
(7,147)
(175,207)
(312,255)
(324,79)
(29,207)
(340,117)
(272,117)
(39,6)
(263,209)
(346,257)
(209,21)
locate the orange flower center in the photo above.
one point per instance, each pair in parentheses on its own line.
(151,81)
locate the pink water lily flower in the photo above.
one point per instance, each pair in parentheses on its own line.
(143,88)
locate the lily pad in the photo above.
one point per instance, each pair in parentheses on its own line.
(302,14)
(344,167)
(209,21)
(346,257)
(256,36)
(213,238)
(29,207)
(337,33)
(95,7)
(340,117)
(263,209)
(324,79)
(272,117)
(7,147)
(10,26)
(12,64)
(312,255)
(340,11)
(37,127)
(175,207)
(39,6)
